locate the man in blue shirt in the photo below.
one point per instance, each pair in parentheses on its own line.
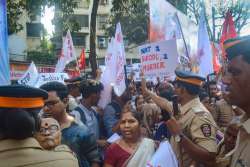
(78,137)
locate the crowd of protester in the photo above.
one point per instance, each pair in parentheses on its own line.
(198,117)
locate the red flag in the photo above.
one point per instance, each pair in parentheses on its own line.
(228,31)
(216,62)
(82,61)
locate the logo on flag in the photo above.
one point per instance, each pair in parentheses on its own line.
(67,54)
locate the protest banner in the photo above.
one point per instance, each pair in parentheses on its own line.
(48,77)
(163,157)
(159,58)
(134,69)
(30,77)
(67,55)
(120,61)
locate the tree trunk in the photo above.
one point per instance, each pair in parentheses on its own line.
(92,54)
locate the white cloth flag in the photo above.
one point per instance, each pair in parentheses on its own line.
(30,77)
(108,76)
(173,30)
(68,53)
(120,61)
(163,157)
(204,55)
(49,77)
(110,62)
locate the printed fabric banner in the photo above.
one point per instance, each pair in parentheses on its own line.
(120,61)
(4,56)
(159,59)
(30,77)
(48,77)
(67,55)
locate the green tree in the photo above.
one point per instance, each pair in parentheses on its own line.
(15,10)
(134,18)
(44,54)
(63,21)
(215,15)
(32,8)
(179,4)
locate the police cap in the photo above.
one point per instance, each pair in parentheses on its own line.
(237,46)
(189,77)
(21,96)
(73,81)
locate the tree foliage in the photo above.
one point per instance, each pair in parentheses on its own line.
(44,54)
(32,8)
(215,15)
(15,10)
(134,18)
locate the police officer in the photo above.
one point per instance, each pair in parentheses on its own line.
(237,79)
(19,106)
(193,128)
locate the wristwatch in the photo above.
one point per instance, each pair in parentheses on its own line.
(178,137)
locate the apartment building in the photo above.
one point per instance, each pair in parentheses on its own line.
(29,38)
(81,39)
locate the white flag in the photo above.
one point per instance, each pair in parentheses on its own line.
(67,55)
(204,57)
(49,77)
(164,156)
(110,61)
(172,28)
(30,77)
(120,61)
(108,76)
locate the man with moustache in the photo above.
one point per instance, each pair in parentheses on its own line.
(237,79)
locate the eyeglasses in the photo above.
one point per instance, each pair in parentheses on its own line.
(51,129)
(51,103)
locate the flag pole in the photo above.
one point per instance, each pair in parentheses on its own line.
(183,37)
(149,21)
(126,77)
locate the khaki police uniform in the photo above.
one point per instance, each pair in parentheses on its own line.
(199,126)
(28,152)
(223,159)
(225,114)
(241,157)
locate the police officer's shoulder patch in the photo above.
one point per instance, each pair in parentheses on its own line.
(206,130)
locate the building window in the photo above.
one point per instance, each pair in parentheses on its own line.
(101,61)
(34,29)
(102,42)
(83,20)
(102,21)
(79,39)
(103,2)
(83,4)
